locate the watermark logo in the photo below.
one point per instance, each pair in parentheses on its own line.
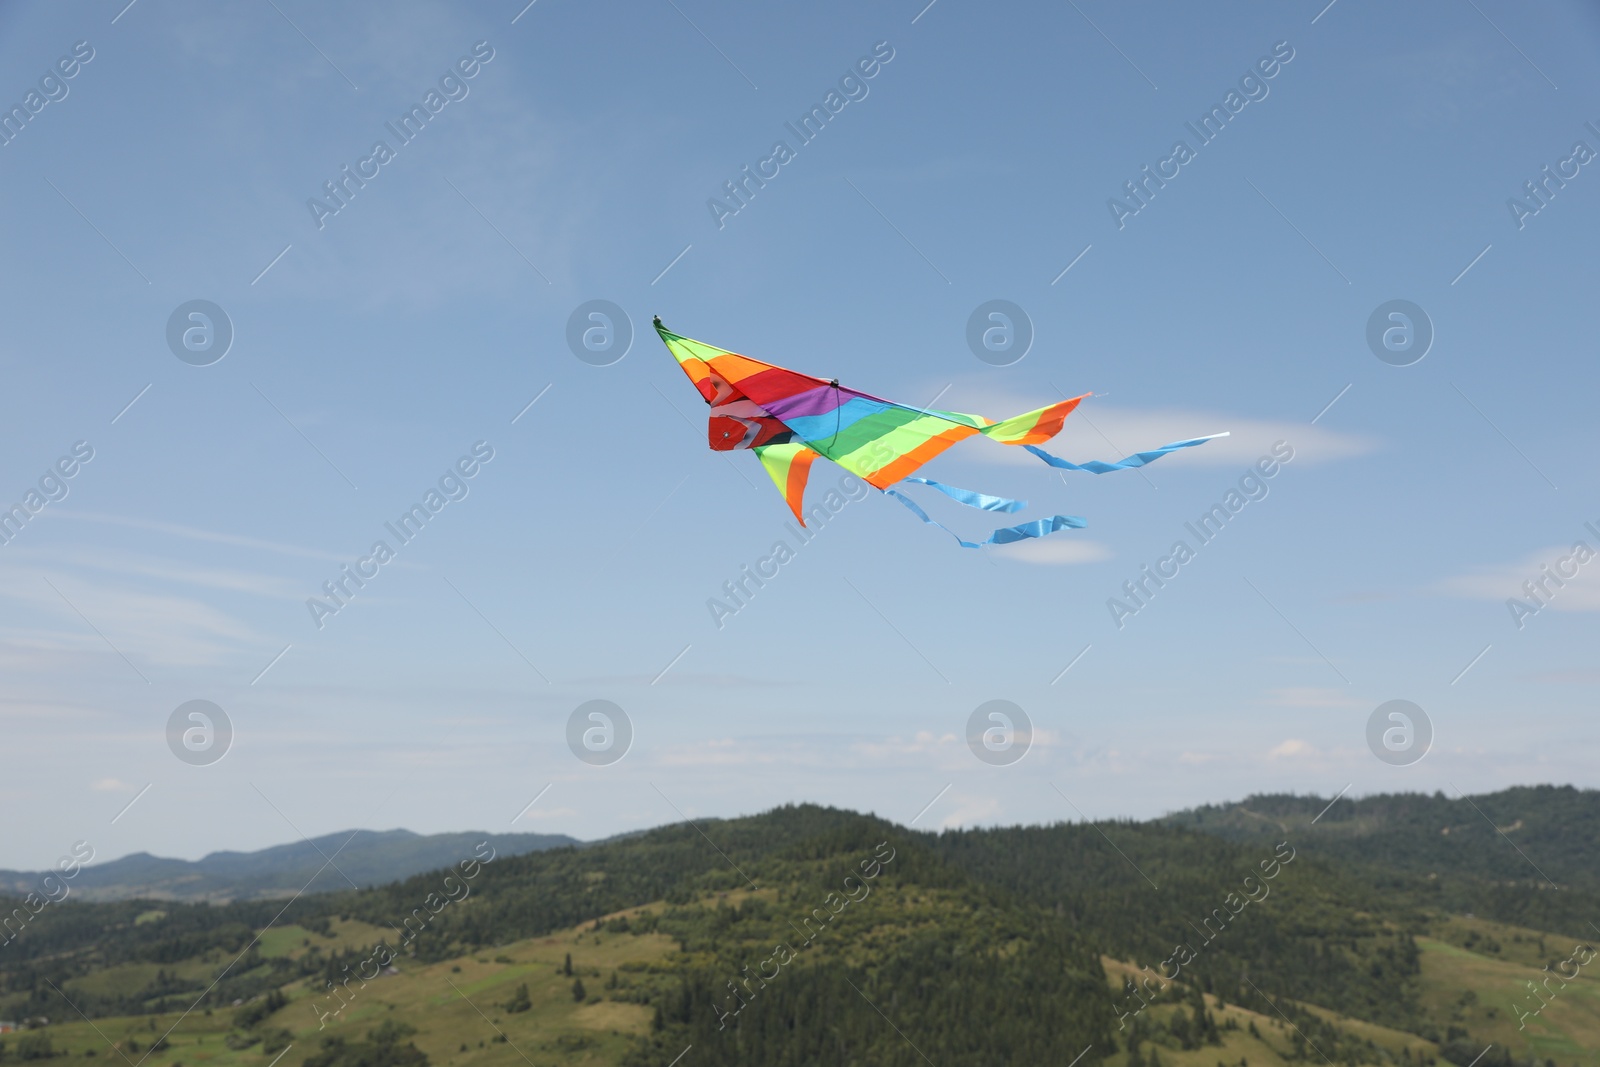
(1256,891)
(53,88)
(52,486)
(51,890)
(747,986)
(599,333)
(1540,591)
(1253,88)
(1541,993)
(999,732)
(999,332)
(199,733)
(741,589)
(1538,193)
(457,887)
(199,333)
(452,485)
(599,732)
(1399,732)
(1399,333)
(1252,486)
(341,191)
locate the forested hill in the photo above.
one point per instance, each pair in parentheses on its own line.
(1530,854)
(868,914)
(365,857)
(1270,913)
(1527,832)
(1260,935)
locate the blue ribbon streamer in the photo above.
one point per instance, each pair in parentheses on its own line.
(1138,459)
(970,498)
(1003,536)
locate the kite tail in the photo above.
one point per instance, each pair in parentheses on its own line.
(1138,459)
(1022,430)
(970,498)
(1003,536)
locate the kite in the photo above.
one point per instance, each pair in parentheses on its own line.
(788,419)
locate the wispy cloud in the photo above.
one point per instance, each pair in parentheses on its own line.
(1581,676)
(1060,552)
(158,628)
(1502,581)
(192,533)
(1310,697)
(138,565)
(1126,430)
(1097,430)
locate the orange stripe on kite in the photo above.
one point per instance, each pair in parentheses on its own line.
(1051,419)
(1046,424)
(907,464)
(794,490)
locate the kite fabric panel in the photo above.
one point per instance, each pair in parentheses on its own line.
(788,419)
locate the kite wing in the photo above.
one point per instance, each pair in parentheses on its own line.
(789,419)
(878,440)
(789,465)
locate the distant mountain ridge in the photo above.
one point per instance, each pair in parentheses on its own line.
(363,857)
(1394,931)
(1527,854)
(1524,834)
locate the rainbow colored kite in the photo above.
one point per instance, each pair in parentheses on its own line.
(788,419)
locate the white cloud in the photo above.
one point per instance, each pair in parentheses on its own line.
(1106,432)
(1291,748)
(1311,697)
(1126,431)
(1579,676)
(148,627)
(130,564)
(1055,551)
(193,533)
(1092,431)
(923,741)
(43,709)
(716,753)
(1503,581)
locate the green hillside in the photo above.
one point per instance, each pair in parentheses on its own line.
(809,935)
(1527,855)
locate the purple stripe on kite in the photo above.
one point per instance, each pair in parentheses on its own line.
(814,402)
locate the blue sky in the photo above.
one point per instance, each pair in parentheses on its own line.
(575,164)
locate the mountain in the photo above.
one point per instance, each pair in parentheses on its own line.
(1528,855)
(1519,834)
(1270,913)
(1275,932)
(868,918)
(360,858)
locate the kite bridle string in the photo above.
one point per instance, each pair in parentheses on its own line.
(837,415)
